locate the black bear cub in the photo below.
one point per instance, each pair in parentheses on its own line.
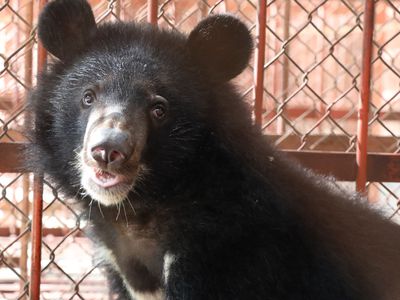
(185,198)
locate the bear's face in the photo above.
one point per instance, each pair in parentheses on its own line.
(126,112)
(131,100)
(119,122)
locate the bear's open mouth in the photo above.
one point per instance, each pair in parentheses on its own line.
(106,179)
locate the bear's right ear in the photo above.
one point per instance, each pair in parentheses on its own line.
(65,27)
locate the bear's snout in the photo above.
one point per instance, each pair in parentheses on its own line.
(109,161)
(110,147)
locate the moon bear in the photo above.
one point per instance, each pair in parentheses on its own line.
(185,197)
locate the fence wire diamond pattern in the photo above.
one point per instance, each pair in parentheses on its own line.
(311,90)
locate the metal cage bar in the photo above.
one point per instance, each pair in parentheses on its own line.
(37,212)
(359,166)
(365,94)
(36,238)
(152,11)
(259,62)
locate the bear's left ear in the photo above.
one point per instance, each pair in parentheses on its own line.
(221,46)
(65,27)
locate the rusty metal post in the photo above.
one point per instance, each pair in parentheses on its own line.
(23,262)
(280,124)
(152,10)
(42,57)
(118,10)
(365,93)
(259,62)
(25,205)
(321,40)
(36,237)
(42,54)
(37,211)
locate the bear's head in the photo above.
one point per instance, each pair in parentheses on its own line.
(128,102)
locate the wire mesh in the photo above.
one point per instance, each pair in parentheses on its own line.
(311,90)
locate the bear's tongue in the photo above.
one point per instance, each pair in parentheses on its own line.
(105,179)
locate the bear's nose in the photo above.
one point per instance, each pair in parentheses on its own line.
(110,147)
(107,155)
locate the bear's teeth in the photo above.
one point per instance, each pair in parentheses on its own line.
(103,175)
(106,179)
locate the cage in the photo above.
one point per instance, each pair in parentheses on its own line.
(324,84)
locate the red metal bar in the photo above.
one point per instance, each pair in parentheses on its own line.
(382,167)
(42,54)
(12,157)
(259,62)
(362,124)
(280,123)
(152,10)
(36,237)
(37,211)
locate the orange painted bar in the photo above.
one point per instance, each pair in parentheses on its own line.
(259,62)
(152,10)
(12,157)
(34,287)
(365,94)
(382,167)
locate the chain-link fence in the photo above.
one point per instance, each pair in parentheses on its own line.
(312,82)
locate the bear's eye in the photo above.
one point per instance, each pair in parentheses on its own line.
(88,98)
(158,111)
(159,108)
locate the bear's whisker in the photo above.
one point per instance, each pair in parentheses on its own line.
(101,211)
(119,211)
(90,208)
(126,217)
(78,192)
(131,205)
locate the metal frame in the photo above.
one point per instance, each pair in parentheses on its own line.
(259,62)
(365,93)
(34,287)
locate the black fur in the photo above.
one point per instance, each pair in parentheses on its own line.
(241,221)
